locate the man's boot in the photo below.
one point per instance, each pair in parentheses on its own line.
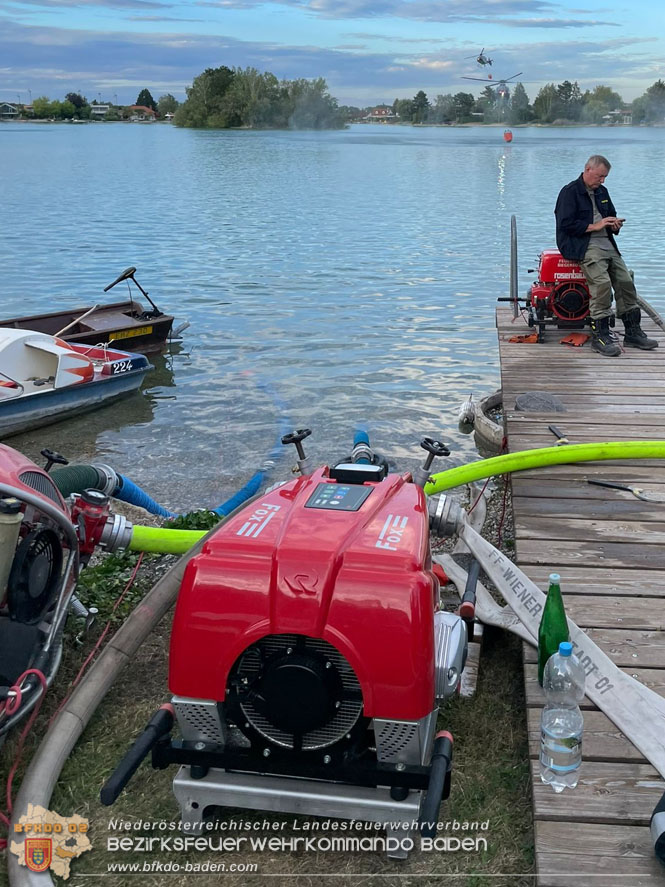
(601,338)
(634,336)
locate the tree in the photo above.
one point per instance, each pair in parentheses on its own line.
(486,104)
(311,105)
(419,107)
(41,107)
(520,111)
(76,99)
(544,104)
(443,109)
(463,104)
(403,108)
(569,100)
(204,98)
(655,102)
(146,100)
(166,104)
(599,103)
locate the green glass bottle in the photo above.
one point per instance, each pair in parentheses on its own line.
(553,625)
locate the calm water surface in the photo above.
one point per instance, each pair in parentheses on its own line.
(342,277)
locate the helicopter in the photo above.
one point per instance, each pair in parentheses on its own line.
(502,89)
(481,58)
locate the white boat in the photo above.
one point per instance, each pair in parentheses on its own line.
(44,379)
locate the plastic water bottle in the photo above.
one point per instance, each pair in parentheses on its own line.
(561,722)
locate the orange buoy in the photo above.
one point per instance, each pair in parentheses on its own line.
(507,135)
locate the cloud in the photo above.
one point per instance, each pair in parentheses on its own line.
(53,61)
(555,23)
(110,4)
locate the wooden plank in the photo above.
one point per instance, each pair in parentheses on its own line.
(601,740)
(580,418)
(591,531)
(592,509)
(607,792)
(582,578)
(599,553)
(595,854)
(561,870)
(639,472)
(647,613)
(625,648)
(653,678)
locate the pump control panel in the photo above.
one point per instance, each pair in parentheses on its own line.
(338,497)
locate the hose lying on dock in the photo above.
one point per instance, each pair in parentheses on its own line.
(527,459)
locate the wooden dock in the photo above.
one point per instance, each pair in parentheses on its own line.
(609,548)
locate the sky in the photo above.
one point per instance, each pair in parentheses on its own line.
(368,51)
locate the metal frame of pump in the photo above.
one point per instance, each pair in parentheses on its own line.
(50,541)
(389,766)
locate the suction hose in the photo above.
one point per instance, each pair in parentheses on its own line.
(77,478)
(526,459)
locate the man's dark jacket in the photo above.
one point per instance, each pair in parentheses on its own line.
(574,213)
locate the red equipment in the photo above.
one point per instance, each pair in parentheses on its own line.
(560,296)
(309,655)
(42,546)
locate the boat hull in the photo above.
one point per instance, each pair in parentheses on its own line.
(56,405)
(113,323)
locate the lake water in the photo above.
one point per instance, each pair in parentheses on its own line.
(338,277)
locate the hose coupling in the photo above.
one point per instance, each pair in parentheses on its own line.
(445,515)
(117,533)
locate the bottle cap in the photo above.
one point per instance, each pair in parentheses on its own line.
(555,578)
(565,648)
(9,505)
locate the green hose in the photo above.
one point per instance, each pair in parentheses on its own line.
(526,459)
(162,541)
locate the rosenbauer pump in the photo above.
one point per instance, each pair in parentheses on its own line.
(309,655)
(560,296)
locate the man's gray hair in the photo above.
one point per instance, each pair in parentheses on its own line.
(598,160)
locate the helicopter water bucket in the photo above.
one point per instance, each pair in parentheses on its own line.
(507,135)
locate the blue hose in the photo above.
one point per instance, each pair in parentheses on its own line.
(128,491)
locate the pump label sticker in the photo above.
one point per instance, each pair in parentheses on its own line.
(259,520)
(391,534)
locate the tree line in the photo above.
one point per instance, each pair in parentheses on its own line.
(555,103)
(76,107)
(235,97)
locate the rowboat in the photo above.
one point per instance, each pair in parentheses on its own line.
(45,380)
(144,330)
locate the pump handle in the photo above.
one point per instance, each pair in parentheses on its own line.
(435,447)
(53,458)
(159,725)
(296,436)
(438,787)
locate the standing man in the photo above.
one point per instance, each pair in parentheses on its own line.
(586,223)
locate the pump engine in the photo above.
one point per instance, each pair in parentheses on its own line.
(309,655)
(560,296)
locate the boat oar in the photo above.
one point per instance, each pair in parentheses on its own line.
(78,320)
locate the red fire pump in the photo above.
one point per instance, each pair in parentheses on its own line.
(560,296)
(42,545)
(309,655)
